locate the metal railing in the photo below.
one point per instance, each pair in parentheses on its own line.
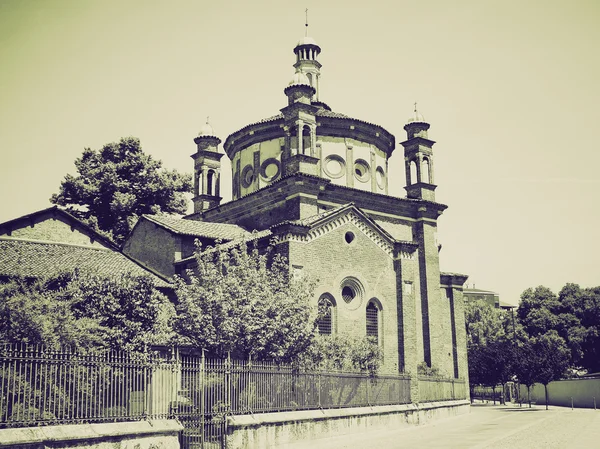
(45,386)
(38,384)
(441,389)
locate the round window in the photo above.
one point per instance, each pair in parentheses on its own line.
(334,166)
(269,169)
(349,237)
(361,170)
(348,293)
(352,292)
(247,176)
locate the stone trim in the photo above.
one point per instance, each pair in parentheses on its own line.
(78,432)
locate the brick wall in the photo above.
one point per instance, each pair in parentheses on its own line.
(153,247)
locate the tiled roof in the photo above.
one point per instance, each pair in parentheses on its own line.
(39,259)
(248,237)
(198,228)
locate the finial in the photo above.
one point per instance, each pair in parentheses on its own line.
(416,113)
(208,116)
(306,23)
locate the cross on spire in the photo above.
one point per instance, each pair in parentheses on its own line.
(306,22)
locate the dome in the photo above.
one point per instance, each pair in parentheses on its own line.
(206,130)
(306,40)
(299,78)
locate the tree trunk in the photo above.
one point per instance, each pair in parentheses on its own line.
(546,391)
(529,395)
(494,394)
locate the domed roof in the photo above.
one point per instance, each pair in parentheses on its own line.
(299,78)
(306,40)
(207,130)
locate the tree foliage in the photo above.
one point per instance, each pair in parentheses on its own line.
(85,311)
(117,184)
(245,303)
(574,314)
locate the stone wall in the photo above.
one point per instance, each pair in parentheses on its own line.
(273,430)
(160,434)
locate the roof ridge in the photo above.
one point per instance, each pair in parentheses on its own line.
(51,242)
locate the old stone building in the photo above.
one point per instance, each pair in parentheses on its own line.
(315,182)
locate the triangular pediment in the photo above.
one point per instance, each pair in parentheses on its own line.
(311,228)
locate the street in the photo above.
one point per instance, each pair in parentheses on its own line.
(487,426)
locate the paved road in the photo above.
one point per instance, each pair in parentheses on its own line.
(487,426)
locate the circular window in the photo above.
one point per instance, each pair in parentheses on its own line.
(361,170)
(247,176)
(334,166)
(269,169)
(348,293)
(349,237)
(352,292)
(380,176)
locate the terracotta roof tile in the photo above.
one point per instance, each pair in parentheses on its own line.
(196,228)
(39,259)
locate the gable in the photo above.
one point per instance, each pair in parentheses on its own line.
(52,225)
(312,228)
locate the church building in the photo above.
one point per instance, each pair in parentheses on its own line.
(315,182)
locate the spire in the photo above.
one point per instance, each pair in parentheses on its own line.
(306,24)
(307,51)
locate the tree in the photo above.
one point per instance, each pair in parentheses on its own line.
(574,315)
(551,359)
(85,311)
(490,349)
(245,303)
(117,184)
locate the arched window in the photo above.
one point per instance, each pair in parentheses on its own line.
(306,146)
(425,171)
(373,321)
(413,172)
(326,318)
(310,78)
(210,177)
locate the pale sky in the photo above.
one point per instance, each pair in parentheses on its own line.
(511,89)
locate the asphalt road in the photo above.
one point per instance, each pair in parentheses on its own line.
(487,426)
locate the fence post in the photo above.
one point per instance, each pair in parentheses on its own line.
(202,399)
(319,388)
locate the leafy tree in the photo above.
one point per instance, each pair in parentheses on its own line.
(574,315)
(490,346)
(245,303)
(30,313)
(85,311)
(117,184)
(524,367)
(551,359)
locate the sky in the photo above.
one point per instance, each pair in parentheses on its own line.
(511,90)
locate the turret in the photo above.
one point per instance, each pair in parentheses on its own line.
(418,159)
(207,170)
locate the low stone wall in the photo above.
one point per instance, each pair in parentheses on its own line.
(160,434)
(276,430)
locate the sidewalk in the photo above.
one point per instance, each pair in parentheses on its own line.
(487,426)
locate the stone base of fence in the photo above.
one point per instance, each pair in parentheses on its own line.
(276,430)
(139,434)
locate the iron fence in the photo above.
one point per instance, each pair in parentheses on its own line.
(441,389)
(45,386)
(39,384)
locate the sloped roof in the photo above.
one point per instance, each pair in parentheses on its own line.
(38,259)
(195,228)
(25,220)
